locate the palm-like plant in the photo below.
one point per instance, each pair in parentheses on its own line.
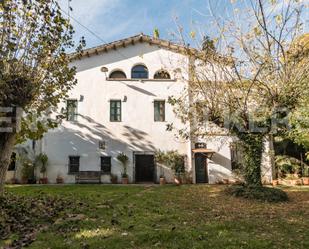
(124,159)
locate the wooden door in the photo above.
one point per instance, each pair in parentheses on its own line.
(201,172)
(144,168)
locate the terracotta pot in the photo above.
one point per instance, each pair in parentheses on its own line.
(178,181)
(43,180)
(305,180)
(296,182)
(24,180)
(275,182)
(225,181)
(125,180)
(162,181)
(14,181)
(59,180)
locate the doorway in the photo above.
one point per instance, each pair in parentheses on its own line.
(201,170)
(144,168)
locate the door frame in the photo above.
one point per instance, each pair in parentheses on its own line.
(150,153)
(206,168)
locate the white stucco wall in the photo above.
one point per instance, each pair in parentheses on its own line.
(137,132)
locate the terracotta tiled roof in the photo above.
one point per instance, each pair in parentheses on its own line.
(132,41)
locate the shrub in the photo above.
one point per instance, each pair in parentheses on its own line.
(257,193)
(27,170)
(173,160)
(42,160)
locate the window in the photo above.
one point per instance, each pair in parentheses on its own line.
(12,166)
(106,164)
(159,110)
(162,74)
(115,110)
(139,72)
(73,164)
(117,75)
(72,110)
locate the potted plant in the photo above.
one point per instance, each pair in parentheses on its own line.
(114,179)
(305,177)
(174,161)
(124,159)
(42,159)
(275,182)
(27,172)
(59,179)
(162,179)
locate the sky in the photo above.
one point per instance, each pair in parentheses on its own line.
(116,19)
(110,20)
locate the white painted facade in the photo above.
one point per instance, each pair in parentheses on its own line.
(137,133)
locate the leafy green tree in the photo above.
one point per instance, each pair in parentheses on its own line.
(34,70)
(258,74)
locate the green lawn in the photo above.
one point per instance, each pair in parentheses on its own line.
(189,216)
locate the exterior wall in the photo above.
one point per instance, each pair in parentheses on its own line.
(219,165)
(137,133)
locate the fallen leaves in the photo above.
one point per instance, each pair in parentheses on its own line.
(26,216)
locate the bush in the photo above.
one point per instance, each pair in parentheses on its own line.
(173,160)
(257,193)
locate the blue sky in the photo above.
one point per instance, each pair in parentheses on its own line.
(116,19)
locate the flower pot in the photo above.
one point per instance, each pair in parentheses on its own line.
(43,180)
(59,180)
(295,182)
(178,181)
(24,180)
(14,181)
(125,180)
(225,181)
(114,180)
(162,181)
(275,182)
(305,180)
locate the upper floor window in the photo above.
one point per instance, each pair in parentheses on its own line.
(72,109)
(159,110)
(162,74)
(73,164)
(139,72)
(117,75)
(115,110)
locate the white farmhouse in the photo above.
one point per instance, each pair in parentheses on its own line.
(120,105)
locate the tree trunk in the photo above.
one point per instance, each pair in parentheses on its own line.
(253,149)
(272,157)
(7,142)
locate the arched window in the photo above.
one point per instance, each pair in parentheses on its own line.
(117,75)
(139,72)
(162,74)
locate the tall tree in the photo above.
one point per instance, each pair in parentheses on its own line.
(34,70)
(257,75)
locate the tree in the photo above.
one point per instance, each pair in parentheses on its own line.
(257,75)
(34,70)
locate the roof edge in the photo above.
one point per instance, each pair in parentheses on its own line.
(178,48)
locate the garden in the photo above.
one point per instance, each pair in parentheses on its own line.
(170,216)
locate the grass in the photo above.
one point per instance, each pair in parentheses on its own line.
(189,216)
